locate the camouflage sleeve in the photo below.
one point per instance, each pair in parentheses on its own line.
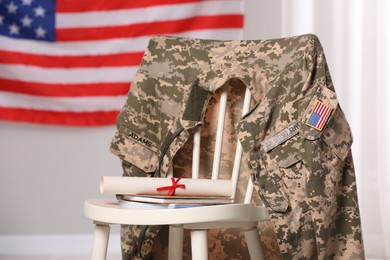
(328,171)
(330,183)
(134,151)
(135,143)
(299,146)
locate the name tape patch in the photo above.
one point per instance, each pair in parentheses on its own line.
(280,137)
(140,139)
(129,134)
(319,116)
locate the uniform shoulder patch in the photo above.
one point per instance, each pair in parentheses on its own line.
(319,116)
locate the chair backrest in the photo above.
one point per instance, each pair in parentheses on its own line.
(216,151)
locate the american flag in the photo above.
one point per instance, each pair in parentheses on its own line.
(70,62)
(319,115)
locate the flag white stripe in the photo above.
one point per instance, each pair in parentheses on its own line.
(102,47)
(64,76)
(61,104)
(145,15)
(222,34)
(136,44)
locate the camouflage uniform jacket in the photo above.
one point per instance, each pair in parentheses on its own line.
(295,136)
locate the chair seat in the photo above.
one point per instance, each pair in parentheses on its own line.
(110,211)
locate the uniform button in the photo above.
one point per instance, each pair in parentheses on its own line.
(253,164)
(304,206)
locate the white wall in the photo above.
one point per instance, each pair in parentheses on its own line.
(46,173)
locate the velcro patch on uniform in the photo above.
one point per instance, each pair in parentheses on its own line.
(280,137)
(319,116)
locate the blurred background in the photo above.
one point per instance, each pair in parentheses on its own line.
(47,171)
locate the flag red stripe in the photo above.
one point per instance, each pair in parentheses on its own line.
(69,6)
(144,29)
(64,90)
(79,61)
(59,118)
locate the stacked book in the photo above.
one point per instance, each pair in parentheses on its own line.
(167,192)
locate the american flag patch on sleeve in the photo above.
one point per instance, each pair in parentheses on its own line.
(319,116)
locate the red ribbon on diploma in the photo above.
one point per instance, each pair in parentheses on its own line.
(171,189)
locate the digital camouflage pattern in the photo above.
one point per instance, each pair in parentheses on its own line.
(223,244)
(303,175)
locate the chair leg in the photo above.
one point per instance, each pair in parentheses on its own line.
(199,245)
(100,241)
(254,244)
(175,248)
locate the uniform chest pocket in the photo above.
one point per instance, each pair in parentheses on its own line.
(283,148)
(135,149)
(287,157)
(280,154)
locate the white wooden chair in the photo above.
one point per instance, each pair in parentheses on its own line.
(198,219)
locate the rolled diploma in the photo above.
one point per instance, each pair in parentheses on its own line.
(148,186)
